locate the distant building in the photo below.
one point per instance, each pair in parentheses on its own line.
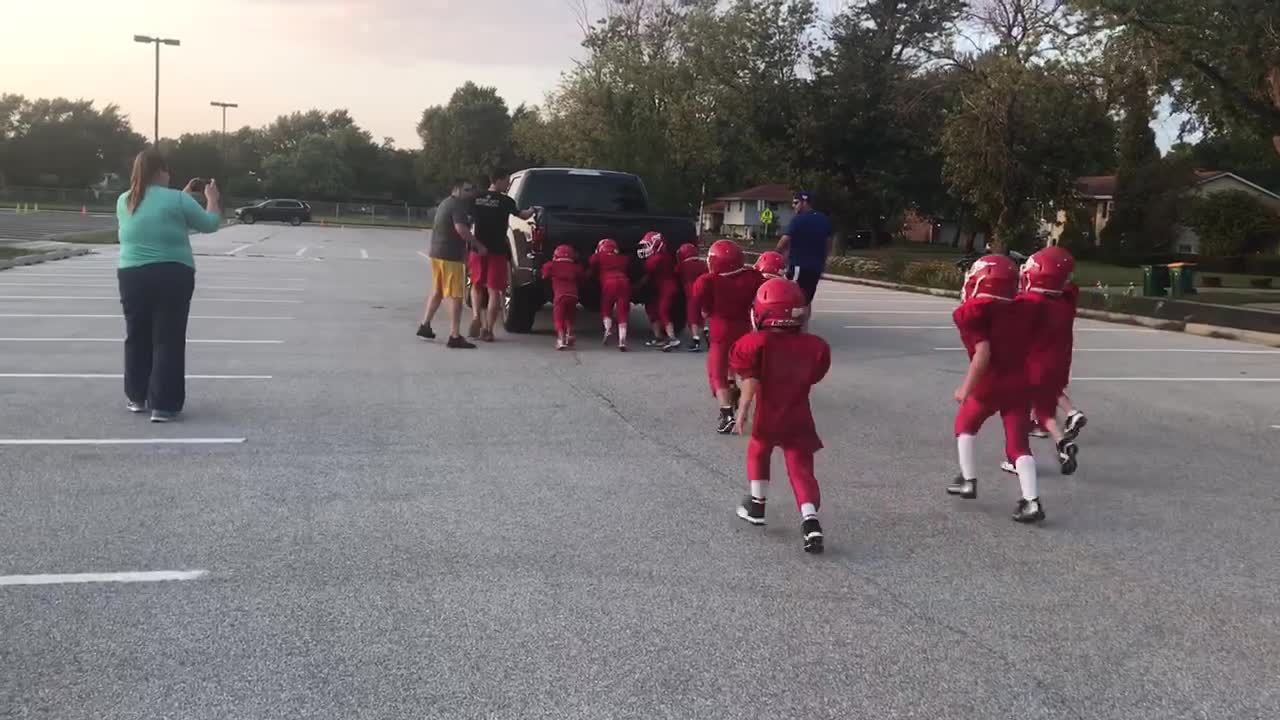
(737,215)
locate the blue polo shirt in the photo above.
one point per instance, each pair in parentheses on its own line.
(809,232)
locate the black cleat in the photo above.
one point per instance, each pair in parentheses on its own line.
(1075,423)
(1037,431)
(460,343)
(695,345)
(812,532)
(1029,511)
(425,331)
(1067,452)
(967,489)
(727,422)
(752,510)
(671,344)
(136,407)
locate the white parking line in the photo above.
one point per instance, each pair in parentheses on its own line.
(1155,350)
(117,376)
(117,299)
(1275,427)
(116,340)
(204,274)
(122,441)
(117,316)
(115,577)
(104,285)
(301,251)
(240,249)
(364,254)
(424,255)
(1177,379)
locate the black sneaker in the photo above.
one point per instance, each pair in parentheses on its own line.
(136,407)
(1067,452)
(967,489)
(460,342)
(1029,511)
(163,416)
(425,331)
(812,532)
(1075,423)
(727,422)
(653,343)
(670,344)
(752,510)
(695,345)
(1037,431)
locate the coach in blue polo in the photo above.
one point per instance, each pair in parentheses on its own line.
(806,244)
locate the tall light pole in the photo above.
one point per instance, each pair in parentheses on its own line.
(158,41)
(224,106)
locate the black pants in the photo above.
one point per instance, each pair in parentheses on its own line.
(156,300)
(807,279)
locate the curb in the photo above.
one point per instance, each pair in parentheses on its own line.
(45,257)
(1211,331)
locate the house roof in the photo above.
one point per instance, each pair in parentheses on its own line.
(1103,187)
(769,193)
(716,207)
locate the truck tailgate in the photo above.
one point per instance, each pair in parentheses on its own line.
(582,230)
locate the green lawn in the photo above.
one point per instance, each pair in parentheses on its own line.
(7,253)
(96,237)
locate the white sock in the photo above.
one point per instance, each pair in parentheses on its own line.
(697,333)
(1026,467)
(622,332)
(808,510)
(759,489)
(968,465)
(608,326)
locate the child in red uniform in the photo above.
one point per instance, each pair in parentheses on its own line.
(660,276)
(565,273)
(778,364)
(1044,285)
(690,267)
(725,295)
(1075,419)
(996,330)
(615,289)
(771,265)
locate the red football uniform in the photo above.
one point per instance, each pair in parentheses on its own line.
(689,271)
(564,277)
(787,365)
(615,284)
(726,301)
(1008,326)
(1049,358)
(660,268)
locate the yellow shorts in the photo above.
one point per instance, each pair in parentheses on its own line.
(449,277)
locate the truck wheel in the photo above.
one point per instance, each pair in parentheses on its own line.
(520,307)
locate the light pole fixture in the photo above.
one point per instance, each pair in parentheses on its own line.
(157,41)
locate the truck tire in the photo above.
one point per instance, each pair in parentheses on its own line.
(521,306)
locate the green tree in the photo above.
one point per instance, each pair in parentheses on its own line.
(1133,227)
(65,143)
(1232,223)
(469,137)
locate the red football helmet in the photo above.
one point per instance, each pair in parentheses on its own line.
(651,244)
(991,276)
(607,246)
(725,256)
(1047,271)
(687,251)
(779,304)
(771,263)
(564,253)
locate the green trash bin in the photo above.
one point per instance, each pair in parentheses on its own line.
(1155,280)
(1182,279)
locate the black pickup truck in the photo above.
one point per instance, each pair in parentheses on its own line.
(578,208)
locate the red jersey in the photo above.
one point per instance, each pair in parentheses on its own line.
(726,300)
(689,271)
(661,271)
(1049,356)
(610,267)
(787,364)
(564,276)
(1008,327)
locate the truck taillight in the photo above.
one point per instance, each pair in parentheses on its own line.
(537,238)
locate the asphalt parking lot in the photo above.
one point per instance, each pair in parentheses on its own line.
(352,522)
(46,224)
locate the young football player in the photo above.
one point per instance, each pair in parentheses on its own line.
(778,364)
(690,267)
(664,285)
(565,274)
(611,267)
(996,332)
(725,295)
(771,265)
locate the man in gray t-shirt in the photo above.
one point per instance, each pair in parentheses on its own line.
(450,238)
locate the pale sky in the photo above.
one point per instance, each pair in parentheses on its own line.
(384,60)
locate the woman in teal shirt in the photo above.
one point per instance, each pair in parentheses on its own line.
(157,276)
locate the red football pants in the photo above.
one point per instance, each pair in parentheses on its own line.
(564,311)
(804,484)
(615,300)
(1013,413)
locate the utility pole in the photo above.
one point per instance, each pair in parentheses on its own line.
(157,41)
(224,106)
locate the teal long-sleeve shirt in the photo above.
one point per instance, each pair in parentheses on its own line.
(157,231)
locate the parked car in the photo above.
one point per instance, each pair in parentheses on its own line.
(578,207)
(294,212)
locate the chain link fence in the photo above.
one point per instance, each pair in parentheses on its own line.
(322,211)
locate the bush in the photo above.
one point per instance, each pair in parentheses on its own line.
(1262,265)
(893,267)
(933,274)
(1232,223)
